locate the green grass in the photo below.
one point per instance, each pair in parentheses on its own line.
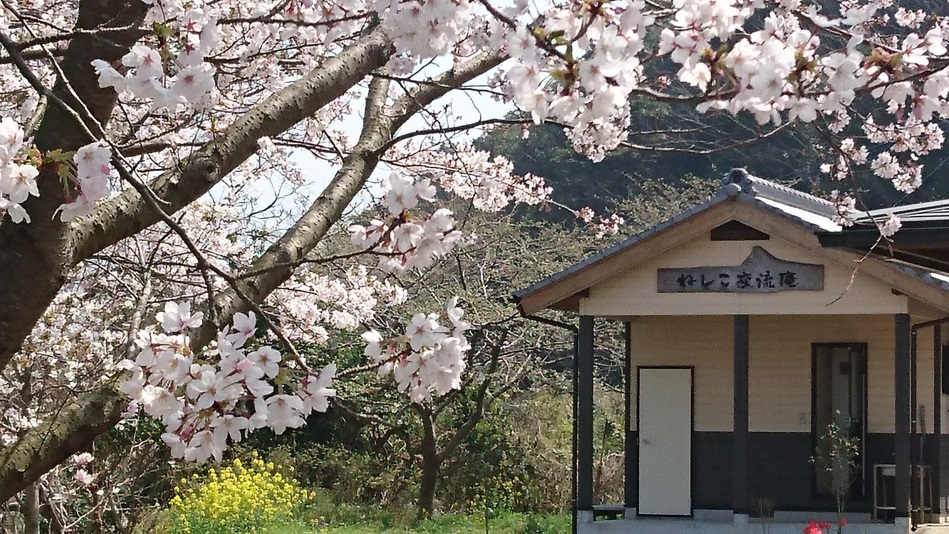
(508,523)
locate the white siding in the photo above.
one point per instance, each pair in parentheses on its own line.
(924,373)
(779,384)
(701,342)
(779,366)
(633,293)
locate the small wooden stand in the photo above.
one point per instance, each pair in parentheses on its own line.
(881,472)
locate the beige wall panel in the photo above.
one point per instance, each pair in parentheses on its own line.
(701,342)
(779,366)
(779,385)
(779,374)
(634,292)
(924,376)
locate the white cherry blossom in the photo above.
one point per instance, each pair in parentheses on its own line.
(177,317)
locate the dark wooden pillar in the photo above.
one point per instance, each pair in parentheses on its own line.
(740,434)
(902,410)
(935,460)
(631,475)
(914,442)
(585,415)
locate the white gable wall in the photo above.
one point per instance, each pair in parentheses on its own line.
(633,293)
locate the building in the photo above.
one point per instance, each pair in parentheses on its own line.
(753,321)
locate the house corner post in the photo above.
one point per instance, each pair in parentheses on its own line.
(936,458)
(902,446)
(584,467)
(631,475)
(740,431)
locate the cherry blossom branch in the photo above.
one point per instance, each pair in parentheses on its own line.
(380,122)
(16,57)
(453,129)
(306,261)
(84,116)
(39,270)
(54,440)
(370,418)
(705,152)
(270,19)
(433,83)
(197,173)
(33,55)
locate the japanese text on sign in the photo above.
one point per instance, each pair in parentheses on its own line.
(759,273)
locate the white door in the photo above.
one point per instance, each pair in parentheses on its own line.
(665,442)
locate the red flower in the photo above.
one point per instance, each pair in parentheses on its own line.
(823,525)
(843,521)
(812,528)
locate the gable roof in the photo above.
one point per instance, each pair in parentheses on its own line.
(812,216)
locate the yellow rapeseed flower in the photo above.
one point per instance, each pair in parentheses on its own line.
(237,498)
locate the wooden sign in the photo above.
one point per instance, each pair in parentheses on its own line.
(759,273)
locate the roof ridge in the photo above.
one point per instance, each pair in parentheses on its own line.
(766,189)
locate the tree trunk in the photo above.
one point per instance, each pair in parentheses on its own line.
(430,465)
(31,510)
(426,491)
(34,256)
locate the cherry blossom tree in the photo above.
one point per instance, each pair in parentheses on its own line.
(138,137)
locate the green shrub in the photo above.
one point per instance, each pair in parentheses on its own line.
(537,524)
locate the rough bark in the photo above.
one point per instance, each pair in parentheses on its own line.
(69,431)
(431,464)
(277,263)
(31,510)
(40,449)
(128,213)
(33,257)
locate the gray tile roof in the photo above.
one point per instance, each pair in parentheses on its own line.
(924,212)
(930,276)
(809,211)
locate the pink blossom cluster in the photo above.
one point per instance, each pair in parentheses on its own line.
(602,225)
(576,63)
(188,79)
(429,358)
(488,181)
(229,391)
(845,207)
(71,348)
(409,242)
(17,179)
(580,64)
(91,182)
(425,29)
(81,476)
(309,304)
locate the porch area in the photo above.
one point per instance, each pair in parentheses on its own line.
(725,411)
(726,525)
